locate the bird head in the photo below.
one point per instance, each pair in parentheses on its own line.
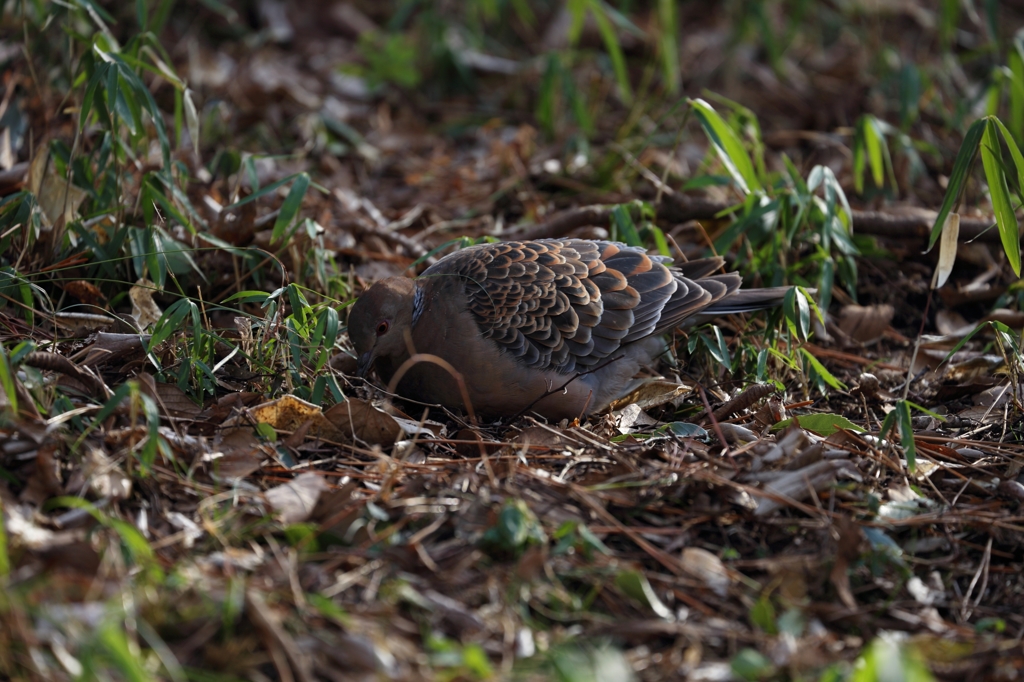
(379,320)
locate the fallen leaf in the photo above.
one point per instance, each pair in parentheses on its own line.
(865,324)
(104,477)
(58,199)
(295,500)
(361,420)
(706,567)
(651,393)
(144,309)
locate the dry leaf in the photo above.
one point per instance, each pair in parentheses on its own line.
(951,323)
(706,567)
(296,499)
(144,309)
(239,454)
(105,478)
(847,552)
(288,413)
(171,400)
(361,420)
(947,249)
(865,323)
(58,199)
(651,393)
(631,418)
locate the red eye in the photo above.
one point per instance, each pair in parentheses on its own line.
(382,328)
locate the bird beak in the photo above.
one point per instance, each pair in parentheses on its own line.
(364,363)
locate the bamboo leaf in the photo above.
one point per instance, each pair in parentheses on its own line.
(906,429)
(261,191)
(1015,154)
(947,249)
(191,120)
(958,178)
(1015,62)
(1000,193)
(822,372)
(797,312)
(873,140)
(728,146)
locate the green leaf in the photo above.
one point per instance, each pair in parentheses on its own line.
(546,92)
(684,430)
(750,664)
(958,177)
(98,76)
(826,281)
(797,312)
(821,424)
(762,614)
(262,191)
(660,242)
(822,372)
(625,227)
(191,119)
(7,382)
(125,657)
(991,159)
(762,365)
(1015,62)
(248,297)
(516,528)
(578,12)
(290,207)
(1015,154)
(728,146)
(136,85)
(876,144)
(906,429)
(635,585)
(888,659)
(611,44)
(718,348)
(169,322)
(668,47)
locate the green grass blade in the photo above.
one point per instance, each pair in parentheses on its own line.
(7,382)
(290,207)
(822,372)
(1015,154)
(797,312)
(1016,65)
(859,157)
(668,46)
(625,228)
(611,44)
(727,144)
(262,191)
(958,178)
(873,140)
(906,428)
(1000,193)
(545,111)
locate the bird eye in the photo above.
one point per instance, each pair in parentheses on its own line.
(382,328)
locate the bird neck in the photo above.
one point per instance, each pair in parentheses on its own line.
(418,303)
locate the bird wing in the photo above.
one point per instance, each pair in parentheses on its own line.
(568,304)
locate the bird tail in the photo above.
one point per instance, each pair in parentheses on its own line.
(747,300)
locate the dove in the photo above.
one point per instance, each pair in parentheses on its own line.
(556,327)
